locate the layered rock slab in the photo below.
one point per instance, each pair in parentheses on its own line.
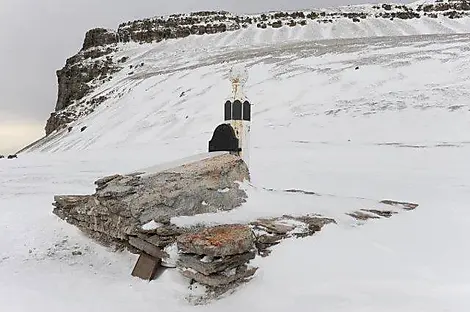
(123,204)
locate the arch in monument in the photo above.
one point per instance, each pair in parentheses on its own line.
(224,139)
(237,110)
(228,110)
(246,111)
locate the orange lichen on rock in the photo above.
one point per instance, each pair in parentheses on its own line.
(221,240)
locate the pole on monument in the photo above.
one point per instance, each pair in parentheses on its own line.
(240,110)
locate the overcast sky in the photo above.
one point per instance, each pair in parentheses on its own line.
(38,35)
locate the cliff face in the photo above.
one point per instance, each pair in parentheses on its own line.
(99,57)
(82,73)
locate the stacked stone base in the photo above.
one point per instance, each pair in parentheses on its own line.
(217,257)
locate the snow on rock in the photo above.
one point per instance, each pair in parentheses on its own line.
(152,225)
(173,256)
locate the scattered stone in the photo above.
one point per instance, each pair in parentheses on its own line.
(382,213)
(404,205)
(270,232)
(77,253)
(83,128)
(363,216)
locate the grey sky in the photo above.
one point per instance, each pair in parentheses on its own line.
(38,35)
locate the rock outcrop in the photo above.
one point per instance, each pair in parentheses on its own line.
(270,232)
(99,37)
(140,205)
(95,63)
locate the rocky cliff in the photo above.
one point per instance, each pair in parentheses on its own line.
(101,54)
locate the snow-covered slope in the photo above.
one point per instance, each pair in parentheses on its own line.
(395,128)
(177,95)
(356,121)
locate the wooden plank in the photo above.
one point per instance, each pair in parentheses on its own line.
(146,267)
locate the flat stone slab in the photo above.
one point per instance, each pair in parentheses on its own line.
(211,266)
(146,267)
(221,279)
(147,247)
(218,241)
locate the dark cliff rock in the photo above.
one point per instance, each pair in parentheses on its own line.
(81,74)
(73,79)
(56,121)
(461,5)
(99,37)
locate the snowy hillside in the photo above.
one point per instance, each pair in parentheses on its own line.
(356,121)
(111,55)
(178,93)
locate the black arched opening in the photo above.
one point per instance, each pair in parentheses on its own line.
(228,110)
(237,110)
(246,111)
(224,139)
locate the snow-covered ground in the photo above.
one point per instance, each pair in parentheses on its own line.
(396,128)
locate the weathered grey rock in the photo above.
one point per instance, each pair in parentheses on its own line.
(403,205)
(270,239)
(220,279)
(208,267)
(274,227)
(270,232)
(122,204)
(165,230)
(99,37)
(382,213)
(157,240)
(218,241)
